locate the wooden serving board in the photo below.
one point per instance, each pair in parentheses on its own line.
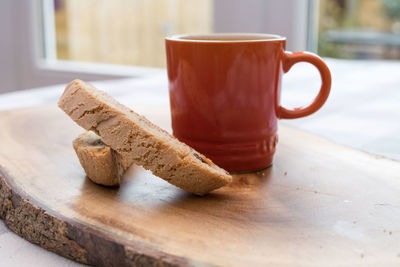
(320,204)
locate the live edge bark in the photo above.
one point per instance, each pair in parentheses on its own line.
(76,243)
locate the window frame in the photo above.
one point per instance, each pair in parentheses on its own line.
(36,62)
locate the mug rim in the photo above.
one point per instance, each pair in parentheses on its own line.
(263,37)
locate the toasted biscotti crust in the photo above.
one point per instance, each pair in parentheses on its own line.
(137,139)
(101,164)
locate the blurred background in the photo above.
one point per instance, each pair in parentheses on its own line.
(45,42)
(114,32)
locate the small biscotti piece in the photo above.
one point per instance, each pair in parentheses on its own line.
(137,139)
(102,164)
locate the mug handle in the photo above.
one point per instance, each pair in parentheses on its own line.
(288,61)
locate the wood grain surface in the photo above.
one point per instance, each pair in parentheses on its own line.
(320,204)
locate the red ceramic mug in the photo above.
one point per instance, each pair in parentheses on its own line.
(224,95)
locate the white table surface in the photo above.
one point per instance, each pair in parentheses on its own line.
(363,111)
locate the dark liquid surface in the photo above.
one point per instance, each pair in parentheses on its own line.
(230,37)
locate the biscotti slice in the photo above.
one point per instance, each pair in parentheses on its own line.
(101,164)
(137,139)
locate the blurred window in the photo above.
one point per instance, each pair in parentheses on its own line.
(359,29)
(125,31)
(131,32)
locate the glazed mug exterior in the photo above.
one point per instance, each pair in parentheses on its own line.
(225,95)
